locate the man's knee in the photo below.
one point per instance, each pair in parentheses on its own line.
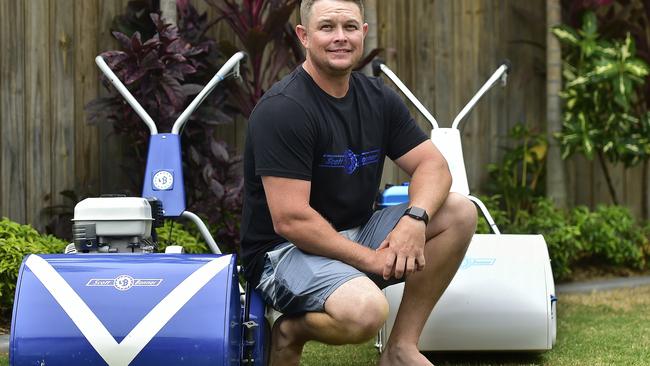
(463,212)
(459,215)
(360,308)
(366,318)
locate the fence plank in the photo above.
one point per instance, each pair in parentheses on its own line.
(442,62)
(62,94)
(632,190)
(467,82)
(111,175)
(493,111)
(86,150)
(386,12)
(12,97)
(38,121)
(582,171)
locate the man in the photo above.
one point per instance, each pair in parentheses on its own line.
(311,243)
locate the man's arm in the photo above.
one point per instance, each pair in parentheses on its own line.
(430,176)
(295,220)
(429,188)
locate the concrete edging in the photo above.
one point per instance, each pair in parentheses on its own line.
(603,285)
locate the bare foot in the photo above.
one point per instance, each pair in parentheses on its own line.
(284,350)
(403,355)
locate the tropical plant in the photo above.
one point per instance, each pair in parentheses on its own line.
(267,36)
(218,186)
(519,177)
(616,20)
(603,117)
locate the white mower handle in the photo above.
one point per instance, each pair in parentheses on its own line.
(500,74)
(110,75)
(231,64)
(379,66)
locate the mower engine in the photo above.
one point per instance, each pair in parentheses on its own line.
(115,225)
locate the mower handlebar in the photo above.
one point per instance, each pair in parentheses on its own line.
(110,75)
(232,64)
(500,74)
(379,66)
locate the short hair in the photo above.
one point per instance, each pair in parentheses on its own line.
(306,5)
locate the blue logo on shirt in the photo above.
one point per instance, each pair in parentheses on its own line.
(349,161)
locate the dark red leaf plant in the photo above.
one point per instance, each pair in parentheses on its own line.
(267,36)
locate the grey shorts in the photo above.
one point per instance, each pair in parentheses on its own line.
(295,282)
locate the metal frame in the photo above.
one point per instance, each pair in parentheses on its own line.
(500,74)
(231,67)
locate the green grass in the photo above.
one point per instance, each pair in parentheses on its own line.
(604,328)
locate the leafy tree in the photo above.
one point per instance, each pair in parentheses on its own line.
(603,115)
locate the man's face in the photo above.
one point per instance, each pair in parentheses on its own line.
(334,36)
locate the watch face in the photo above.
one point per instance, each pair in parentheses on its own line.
(163,180)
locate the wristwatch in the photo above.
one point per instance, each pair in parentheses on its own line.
(417,213)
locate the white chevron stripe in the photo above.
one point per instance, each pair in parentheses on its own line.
(121,354)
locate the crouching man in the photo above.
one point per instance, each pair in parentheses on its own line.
(311,243)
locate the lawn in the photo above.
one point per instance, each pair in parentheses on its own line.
(604,328)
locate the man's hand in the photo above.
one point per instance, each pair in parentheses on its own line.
(403,248)
(376,263)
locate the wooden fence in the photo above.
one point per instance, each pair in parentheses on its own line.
(443,50)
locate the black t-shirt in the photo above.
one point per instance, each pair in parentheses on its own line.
(338,144)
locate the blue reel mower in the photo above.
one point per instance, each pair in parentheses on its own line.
(110,300)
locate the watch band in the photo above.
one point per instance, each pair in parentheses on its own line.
(417,213)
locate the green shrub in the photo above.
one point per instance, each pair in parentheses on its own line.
(611,235)
(17,241)
(173,233)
